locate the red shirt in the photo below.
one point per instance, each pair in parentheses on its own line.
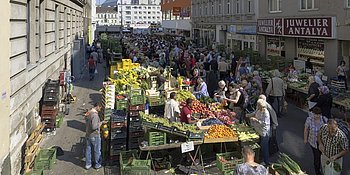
(184,113)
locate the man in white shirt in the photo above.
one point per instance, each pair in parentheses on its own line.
(172,110)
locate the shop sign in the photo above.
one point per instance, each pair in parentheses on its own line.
(247,30)
(320,27)
(231,29)
(176,11)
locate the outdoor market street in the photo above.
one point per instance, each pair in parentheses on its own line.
(70,137)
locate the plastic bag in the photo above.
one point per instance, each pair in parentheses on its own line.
(330,170)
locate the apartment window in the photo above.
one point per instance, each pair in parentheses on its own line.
(200,10)
(348,3)
(30,29)
(250,6)
(140,12)
(238,6)
(135,12)
(274,5)
(128,7)
(128,12)
(65,26)
(212,8)
(219,8)
(57,26)
(149,7)
(149,13)
(228,7)
(307,4)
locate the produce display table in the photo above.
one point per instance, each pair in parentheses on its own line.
(198,152)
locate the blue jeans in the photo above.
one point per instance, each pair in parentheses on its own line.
(93,144)
(264,143)
(277,103)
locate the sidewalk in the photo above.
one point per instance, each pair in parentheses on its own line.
(71,136)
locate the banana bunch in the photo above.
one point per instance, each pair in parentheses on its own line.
(126,78)
(183,95)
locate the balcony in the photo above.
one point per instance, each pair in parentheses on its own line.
(182,24)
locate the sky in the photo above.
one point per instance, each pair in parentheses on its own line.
(100,1)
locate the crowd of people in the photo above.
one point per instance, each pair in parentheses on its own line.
(232,81)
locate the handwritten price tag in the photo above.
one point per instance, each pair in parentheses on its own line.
(187,147)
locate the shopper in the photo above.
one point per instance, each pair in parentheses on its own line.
(250,167)
(93,140)
(235,99)
(194,78)
(186,113)
(308,65)
(313,93)
(311,129)
(202,89)
(275,92)
(231,78)
(333,144)
(171,109)
(219,95)
(223,67)
(161,79)
(342,73)
(325,101)
(92,67)
(94,55)
(261,124)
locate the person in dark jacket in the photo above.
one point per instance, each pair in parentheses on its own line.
(325,101)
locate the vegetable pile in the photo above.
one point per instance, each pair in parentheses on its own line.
(286,164)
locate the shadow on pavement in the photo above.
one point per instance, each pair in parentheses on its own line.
(76,154)
(76,125)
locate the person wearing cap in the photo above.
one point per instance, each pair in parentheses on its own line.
(325,101)
(275,92)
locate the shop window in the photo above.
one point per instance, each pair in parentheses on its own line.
(275,46)
(311,48)
(307,4)
(275,5)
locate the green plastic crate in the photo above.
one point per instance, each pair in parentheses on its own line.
(121,104)
(230,164)
(137,167)
(59,121)
(45,159)
(156,138)
(137,100)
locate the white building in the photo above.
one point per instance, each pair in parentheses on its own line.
(129,15)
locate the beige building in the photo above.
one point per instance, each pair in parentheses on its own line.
(315,29)
(230,22)
(41,34)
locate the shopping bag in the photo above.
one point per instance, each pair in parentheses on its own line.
(331,169)
(96,71)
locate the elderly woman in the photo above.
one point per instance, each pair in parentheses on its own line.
(219,95)
(261,124)
(325,101)
(202,89)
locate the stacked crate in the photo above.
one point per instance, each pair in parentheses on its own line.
(135,130)
(118,132)
(49,108)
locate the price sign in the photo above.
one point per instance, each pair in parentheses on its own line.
(187,147)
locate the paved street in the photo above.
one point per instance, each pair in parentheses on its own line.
(70,137)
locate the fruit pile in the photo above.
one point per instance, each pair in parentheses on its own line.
(220,131)
(183,95)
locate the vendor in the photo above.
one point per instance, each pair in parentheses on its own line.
(186,113)
(161,79)
(219,95)
(202,89)
(172,110)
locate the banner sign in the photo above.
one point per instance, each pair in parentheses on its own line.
(320,27)
(176,11)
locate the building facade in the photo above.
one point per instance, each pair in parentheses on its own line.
(41,34)
(129,15)
(229,22)
(315,29)
(176,17)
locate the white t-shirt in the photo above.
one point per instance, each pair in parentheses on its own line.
(171,106)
